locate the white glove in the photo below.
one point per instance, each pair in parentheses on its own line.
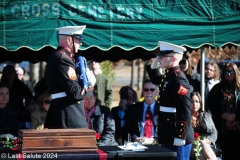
(91,77)
(178,142)
(155,64)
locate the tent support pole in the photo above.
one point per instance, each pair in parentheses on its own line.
(202,77)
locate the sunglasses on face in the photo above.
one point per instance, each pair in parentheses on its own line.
(183,62)
(229,72)
(47,101)
(147,89)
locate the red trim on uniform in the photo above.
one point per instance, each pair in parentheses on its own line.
(184,128)
(66,55)
(176,71)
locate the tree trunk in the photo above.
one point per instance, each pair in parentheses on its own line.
(42,69)
(145,74)
(132,74)
(34,73)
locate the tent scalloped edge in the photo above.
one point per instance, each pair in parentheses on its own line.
(123,47)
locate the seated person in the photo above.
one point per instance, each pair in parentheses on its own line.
(127,97)
(202,124)
(99,118)
(8,114)
(38,117)
(142,117)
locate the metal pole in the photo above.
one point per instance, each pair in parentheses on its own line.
(202,77)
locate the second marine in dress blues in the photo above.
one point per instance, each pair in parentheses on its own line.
(174,129)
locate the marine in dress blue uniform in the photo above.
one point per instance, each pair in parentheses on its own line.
(67,107)
(174,129)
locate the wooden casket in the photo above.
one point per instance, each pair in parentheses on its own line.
(56,140)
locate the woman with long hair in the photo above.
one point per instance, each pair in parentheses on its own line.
(203,125)
(224,103)
(8,114)
(20,95)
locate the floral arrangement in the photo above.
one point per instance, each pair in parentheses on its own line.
(197,143)
(8,141)
(98,136)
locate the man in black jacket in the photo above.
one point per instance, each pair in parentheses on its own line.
(137,124)
(67,107)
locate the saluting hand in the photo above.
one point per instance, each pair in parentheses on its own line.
(155,64)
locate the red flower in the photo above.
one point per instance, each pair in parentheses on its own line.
(15,141)
(98,136)
(196,135)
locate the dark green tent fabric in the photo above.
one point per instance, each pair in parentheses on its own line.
(124,23)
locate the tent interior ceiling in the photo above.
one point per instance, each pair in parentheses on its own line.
(94,53)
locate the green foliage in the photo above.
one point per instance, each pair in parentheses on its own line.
(6,142)
(198,147)
(107,69)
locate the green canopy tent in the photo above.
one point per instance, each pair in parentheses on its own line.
(116,29)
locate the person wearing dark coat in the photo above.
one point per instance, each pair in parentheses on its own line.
(67,107)
(100,119)
(20,95)
(174,128)
(128,96)
(224,104)
(136,119)
(8,114)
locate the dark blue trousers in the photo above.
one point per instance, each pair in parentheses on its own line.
(183,152)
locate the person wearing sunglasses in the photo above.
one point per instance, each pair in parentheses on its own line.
(38,117)
(186,67)
(224,104)
(66,109)
(142,117)
(174,128)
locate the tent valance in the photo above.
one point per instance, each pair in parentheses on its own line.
(114,23)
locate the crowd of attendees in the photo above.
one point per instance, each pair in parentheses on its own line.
(217,120)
